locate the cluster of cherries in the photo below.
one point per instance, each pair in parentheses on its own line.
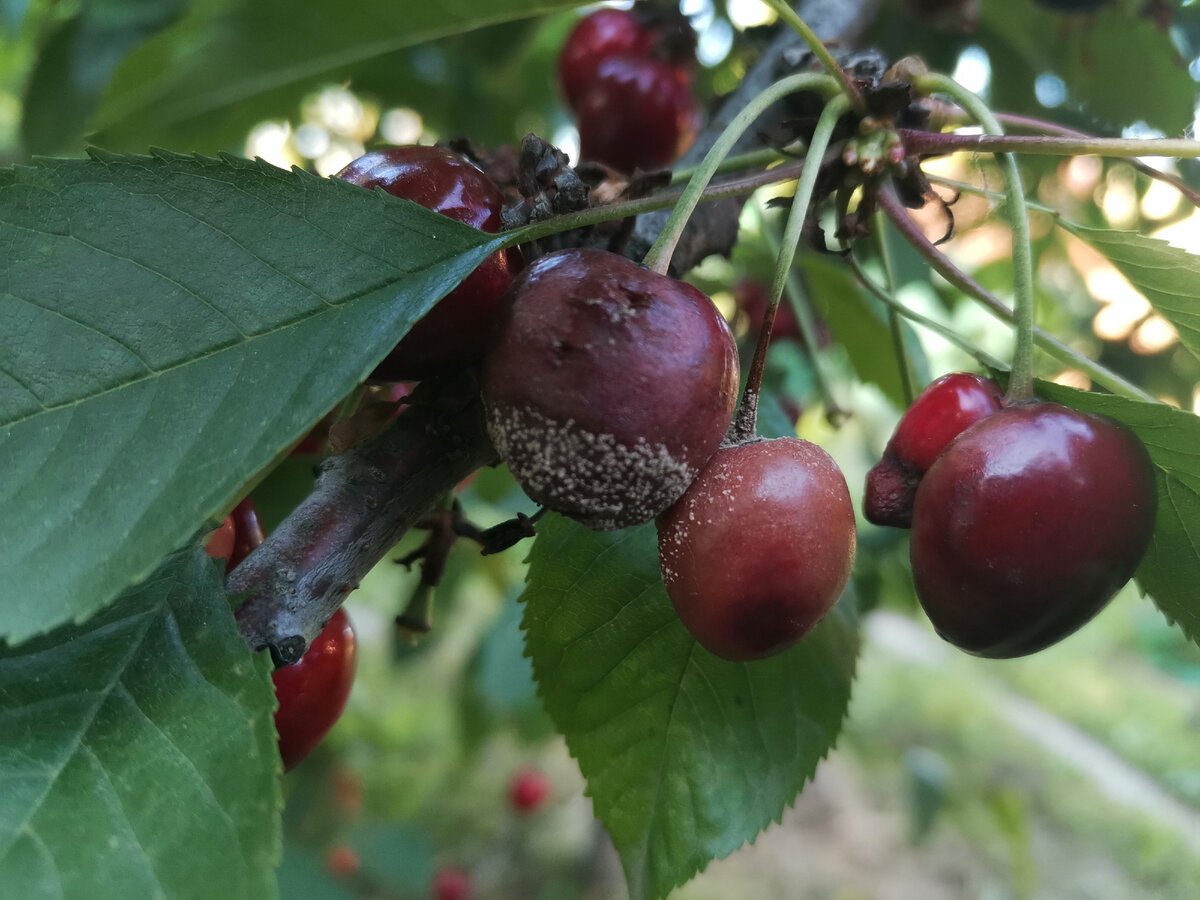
(627,75)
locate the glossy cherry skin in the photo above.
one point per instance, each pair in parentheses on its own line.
(528,789)
(637,113)
(1027,525)
(312,693)
(247,533)
(760,547)
(602,35)
(454,333)
(451,884)
(945,409)
(607,386)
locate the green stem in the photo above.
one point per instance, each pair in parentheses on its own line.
(1020,385)
(747,417)
(658,259)
(1049,344)
(926,142)
(738,162)
(817,46)
(894,324)
(967,188)
(943,331)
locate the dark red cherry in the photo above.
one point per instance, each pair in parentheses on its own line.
(945,409)
(607,386)
(455,331)
(312,692)
(637,113)
(451,884)
(247,533)
(602,35)
(1027,525)
(759,548)
(528,789)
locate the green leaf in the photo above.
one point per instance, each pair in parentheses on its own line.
(206,81)
(171,325)
(75,63)
(1170,571)
(139,756)
(1168,276)
(686,756)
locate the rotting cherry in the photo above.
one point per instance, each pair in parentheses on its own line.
(451,884)
(528,789)
(760,547)
(341,861)
(945,409)
(597,37)
(454,333)
(1027,525)
(637,113)
(312,693)
(607,386)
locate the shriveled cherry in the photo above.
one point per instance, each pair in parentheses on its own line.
(760,547)
(312,693)
(607,386)
(637,113)
(451,884)
(945,409)
(455,331)
(597,37)
(528,789)
(1027,525)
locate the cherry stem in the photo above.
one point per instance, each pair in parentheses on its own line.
(658,259)
(817,46)
(923,143)
(1020,385)
(958,278)
(894,324)
(746,424)
(946,333)
(739,162)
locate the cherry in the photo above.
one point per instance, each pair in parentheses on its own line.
(945,409)
(220,542)
(1027,525)
(607,386)
(312,692)
(528,789)
(760,547)
(341,861)
(454,332)
(637,113)
(451,884)
(248,533)
(597,37)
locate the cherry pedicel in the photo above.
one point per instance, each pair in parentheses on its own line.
(452,334)
(760,547)
(945,409)
(637,113)
(607,386)
(600,36)
(312,693)
(528,789)
(1027,525)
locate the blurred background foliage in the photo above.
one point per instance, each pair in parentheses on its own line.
(1074,773)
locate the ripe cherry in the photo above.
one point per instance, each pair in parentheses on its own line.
(455,331)
(220,542)
(451,884)
(528,789)
(312,693)
(607,386)
(759,548)
(637,113)
(247,533)
(1027,525)
(341,861)
(945,409)
(597,37)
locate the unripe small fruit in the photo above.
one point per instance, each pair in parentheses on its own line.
(247,533)
(312,693)
(945,409)
(760,547)
(1027,525)
(528,789)
(607,386)
(597,37)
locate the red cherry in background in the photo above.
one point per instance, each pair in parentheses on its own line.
(312,693)
(637,113)
(528,789)
(597,37)
(1027,525)
(607,386)
(454,333)
(760,547)
(451,884)
(945,409)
